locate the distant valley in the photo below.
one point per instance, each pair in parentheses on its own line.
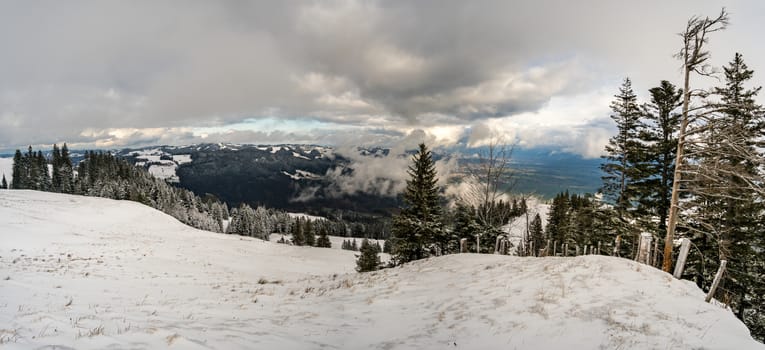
(278,175)
(294,177)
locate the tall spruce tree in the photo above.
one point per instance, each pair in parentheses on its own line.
(622,154)
(419,223)
(19,171)
(621,148)
(558,218)
(56,169)
(33,170)
(657,160)
(43,175)
(298,237)
(309,234)
(537,235)
(728,220)
(66,171)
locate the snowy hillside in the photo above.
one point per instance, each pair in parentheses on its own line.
(159,163)
(163,161)
(516,228)
(93,273)
(6,168)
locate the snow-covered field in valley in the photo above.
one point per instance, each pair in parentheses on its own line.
(6,168)
(92,273)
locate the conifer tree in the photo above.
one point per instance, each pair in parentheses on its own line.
(298,238)
(56,168)
(33,170)
(308,232)
(582,220)
(367,260)
(620,149)
(623,153)
(419,223)
(465,226)
(323,240)
(537,234)
(723,181)
(387,246)
(4,184)
(43,175)
(19,171)
(656,164)
(66,171)
(558,218)
(523,207)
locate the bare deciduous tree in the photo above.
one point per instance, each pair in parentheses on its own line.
(488,182)
(694,57)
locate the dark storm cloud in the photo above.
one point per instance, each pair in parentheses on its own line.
(94,71)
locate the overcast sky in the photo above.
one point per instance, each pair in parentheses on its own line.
(117,74)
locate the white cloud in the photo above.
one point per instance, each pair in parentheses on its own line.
(380,69)
(577,123)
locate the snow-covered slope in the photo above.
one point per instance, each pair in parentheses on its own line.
(94,273)
(6,168)
(516,228)
(165,169)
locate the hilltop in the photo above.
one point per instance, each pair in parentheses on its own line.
(91,273)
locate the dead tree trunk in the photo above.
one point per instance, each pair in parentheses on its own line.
(694,58)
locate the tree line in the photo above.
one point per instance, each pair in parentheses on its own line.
(423,228)
(101,174)
(687,163)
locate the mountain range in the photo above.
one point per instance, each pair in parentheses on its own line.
(304,178)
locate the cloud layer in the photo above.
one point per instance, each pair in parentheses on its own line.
(113,74)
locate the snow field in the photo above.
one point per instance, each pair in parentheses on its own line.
(93,273)
(6,168)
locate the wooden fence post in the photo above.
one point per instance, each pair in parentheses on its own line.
(644,248)
(685,247)
(463,245)
(716,281)
(555,248)
(599,251)
(616,246)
